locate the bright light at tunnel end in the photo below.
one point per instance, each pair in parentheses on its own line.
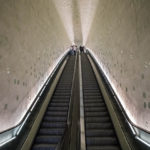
(87,10)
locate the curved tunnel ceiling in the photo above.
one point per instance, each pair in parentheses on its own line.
(33,36)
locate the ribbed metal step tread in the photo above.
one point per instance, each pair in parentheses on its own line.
(107,125)
(52,131)
(54,119)
(103,148)
(96,114)
(95,109)
(101,141)
(97,119)
(94,104)
(56,113)
(100,132)
(57,108)
(48,139)
(44,147)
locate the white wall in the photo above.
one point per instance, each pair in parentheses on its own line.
(32,37)
(120,39)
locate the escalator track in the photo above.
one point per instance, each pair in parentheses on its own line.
(54,122)
(99,130)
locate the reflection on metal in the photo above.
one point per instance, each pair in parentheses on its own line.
(23,123)
(142,141)
(142,136)
(82,125)
(7,141)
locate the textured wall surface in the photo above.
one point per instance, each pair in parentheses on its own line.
(32,37)
(120,39)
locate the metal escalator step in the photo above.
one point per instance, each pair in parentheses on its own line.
(101,141)
(100,133)
(62,94)
(52,131)
(54,119)
(97,119)
(64,101)
(91,90)
(92,97)
(93,94)
(48,139)
(56,113)
(53,124)
(61,97)
(57,108)
(93,101)
(94,104)
(95,109)
(103,147)
(99,125)
(44,147)
(59,104)
(96,114)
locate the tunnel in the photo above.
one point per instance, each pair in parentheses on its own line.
(74,75)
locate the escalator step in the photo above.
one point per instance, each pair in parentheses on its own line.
(53,131)
(97,119)
(96,114)
(53,124)
(103,148)
(95,109)
(57,108)
(44,147)
(99,125)
(93,101)
(94,104)
(59,104)
(101,141)
(100,132)
(56,113)
(54,119)
(48,139)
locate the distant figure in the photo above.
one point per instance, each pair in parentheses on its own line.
(73,50)
(82,49)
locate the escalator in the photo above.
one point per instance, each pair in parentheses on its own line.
(76,116)
(99,130)
(54,122)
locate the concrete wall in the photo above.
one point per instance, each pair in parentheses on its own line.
(32,37)
(120,39)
